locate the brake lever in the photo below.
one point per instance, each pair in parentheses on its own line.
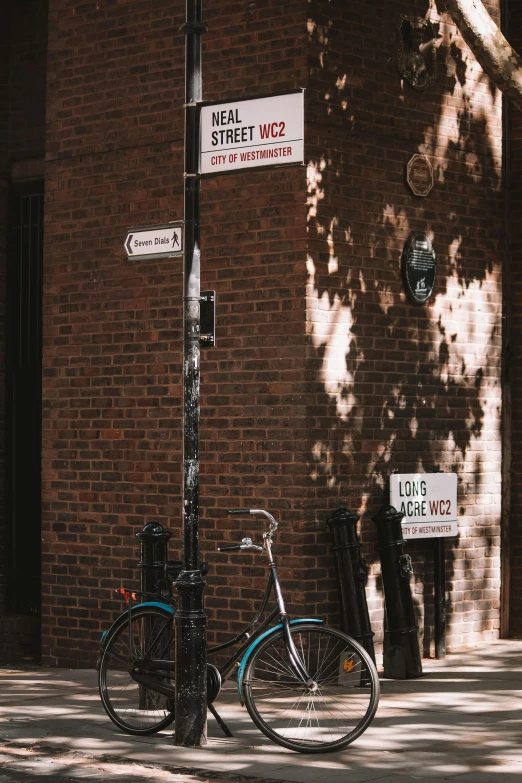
(246,543)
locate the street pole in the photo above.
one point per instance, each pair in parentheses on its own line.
(190,618)
(439,581)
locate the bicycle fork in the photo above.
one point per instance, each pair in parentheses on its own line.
(293,656)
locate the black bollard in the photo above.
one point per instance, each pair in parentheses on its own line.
(153,560)
(352,575)
(402,659)
(153,580)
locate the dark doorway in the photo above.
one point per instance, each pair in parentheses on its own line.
(24,397)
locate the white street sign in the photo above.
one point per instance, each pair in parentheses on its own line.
(155,241)
(252,133)
(428,502)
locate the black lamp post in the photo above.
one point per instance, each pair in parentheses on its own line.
(190,618)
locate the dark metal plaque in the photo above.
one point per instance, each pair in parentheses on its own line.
(418,267)
(207,335)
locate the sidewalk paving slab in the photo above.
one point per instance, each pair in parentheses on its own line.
(461,722)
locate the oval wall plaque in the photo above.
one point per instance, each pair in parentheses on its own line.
(418,267)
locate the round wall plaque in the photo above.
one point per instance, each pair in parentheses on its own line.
(419,175)
(418,267)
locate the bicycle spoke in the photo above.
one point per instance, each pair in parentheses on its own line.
(134,707)
(292,708)
(330,712)
(326,661)
(271,684)
(361,708)
(316,716)
(326,716)
(286,667)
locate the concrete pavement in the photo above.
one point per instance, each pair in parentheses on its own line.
(461,722)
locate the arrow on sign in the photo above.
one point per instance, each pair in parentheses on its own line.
(127,245)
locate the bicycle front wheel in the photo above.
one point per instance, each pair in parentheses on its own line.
(325,717)
(133,707)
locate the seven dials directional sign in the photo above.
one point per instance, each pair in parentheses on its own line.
(155,241)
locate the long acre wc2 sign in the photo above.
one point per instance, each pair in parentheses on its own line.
(428,502)
(252,133)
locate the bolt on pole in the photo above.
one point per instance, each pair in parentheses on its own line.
(190,618)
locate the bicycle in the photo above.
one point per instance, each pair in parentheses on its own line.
(306,686)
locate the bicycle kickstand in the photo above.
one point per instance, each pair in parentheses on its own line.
(217,716)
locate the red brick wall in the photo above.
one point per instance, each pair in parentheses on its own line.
(324,379)
(515,373)
(398,386)
(112,355)
(253,393)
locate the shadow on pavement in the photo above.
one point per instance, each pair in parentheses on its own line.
(461,721)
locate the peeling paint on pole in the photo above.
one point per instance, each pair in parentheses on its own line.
(192,477)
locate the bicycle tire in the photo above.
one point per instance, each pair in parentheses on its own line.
(293,716)
(135,708)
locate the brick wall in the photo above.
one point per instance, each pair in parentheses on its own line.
(254,450)
(324,379)
(112,355)
(515,374)
(398,386)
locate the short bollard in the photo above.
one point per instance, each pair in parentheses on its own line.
(402,659)
(153,559)
(352,575)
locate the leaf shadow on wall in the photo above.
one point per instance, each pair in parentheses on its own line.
(404,387)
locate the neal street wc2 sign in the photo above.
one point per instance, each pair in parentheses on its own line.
(428,502)
(252,133)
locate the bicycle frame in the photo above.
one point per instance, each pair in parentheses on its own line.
(144,678)
(245,634)
(322,682)
(228,666)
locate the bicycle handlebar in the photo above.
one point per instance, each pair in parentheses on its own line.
(229,548)
(267,536)
(273,523)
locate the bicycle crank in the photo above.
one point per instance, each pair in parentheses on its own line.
(213,683)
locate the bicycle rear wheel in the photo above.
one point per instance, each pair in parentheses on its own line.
(136,708)
(327,717)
